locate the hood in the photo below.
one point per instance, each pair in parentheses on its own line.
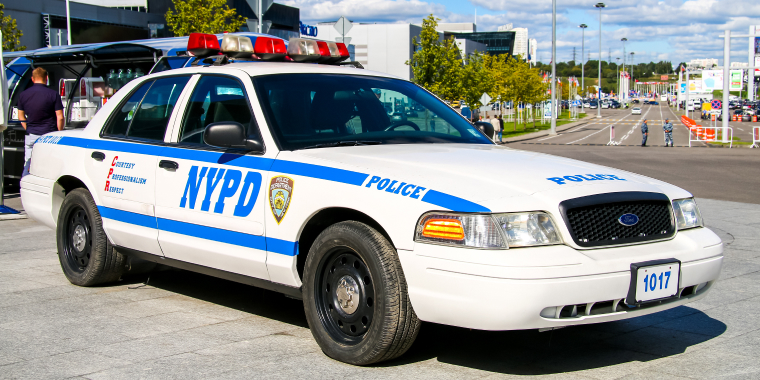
(481,172)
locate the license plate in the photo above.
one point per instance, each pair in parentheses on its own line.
(654,280)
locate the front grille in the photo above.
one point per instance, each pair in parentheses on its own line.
(593,221)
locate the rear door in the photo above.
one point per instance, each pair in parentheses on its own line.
(123,164)
(210,204)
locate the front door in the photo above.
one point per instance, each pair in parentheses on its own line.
(122,166)
(209,202)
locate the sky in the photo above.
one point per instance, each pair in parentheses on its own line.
(669,30)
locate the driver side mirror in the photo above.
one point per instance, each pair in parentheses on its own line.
(229,134)
(486,128)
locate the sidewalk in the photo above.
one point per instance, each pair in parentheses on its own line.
(535,135)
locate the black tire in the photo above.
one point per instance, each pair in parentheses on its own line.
(379,323)
(87,257)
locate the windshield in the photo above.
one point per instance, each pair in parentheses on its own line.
(319,110)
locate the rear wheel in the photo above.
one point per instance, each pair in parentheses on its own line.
(86,256)
(355,296)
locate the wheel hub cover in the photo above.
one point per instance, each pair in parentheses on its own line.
(347,294)
(79,238)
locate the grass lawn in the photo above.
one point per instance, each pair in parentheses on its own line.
(523,129)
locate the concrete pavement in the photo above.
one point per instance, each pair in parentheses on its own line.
(185,325)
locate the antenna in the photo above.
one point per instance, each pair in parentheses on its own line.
(573,53)
(609,55)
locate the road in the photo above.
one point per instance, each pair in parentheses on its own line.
(627,128)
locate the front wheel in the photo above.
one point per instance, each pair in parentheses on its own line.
(87,257)
(355,296)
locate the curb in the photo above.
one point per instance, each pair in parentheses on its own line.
(535,135)
(22,215)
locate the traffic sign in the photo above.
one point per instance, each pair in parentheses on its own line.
(716,104)
(343,25)
(485,99)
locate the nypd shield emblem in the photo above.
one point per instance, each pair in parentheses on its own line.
(280,194)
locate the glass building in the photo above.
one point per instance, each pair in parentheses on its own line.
(497,42)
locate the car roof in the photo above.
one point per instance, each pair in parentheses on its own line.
(267,68)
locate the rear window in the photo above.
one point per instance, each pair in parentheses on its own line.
(309,110)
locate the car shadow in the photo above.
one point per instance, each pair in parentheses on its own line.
(520,352)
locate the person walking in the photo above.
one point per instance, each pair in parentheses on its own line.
(668,128)
(496,129)
(501,127)
(644,132)
(40,111)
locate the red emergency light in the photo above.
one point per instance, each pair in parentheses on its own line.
(343,50)
(270,49)
(203,45)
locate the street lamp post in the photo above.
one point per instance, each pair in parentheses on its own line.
(618,81)
(631,65)
(599,92)
(583,61)
(624,41)
(554,69)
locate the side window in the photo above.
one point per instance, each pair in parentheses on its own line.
(123,117)
(215,99)
(152,116)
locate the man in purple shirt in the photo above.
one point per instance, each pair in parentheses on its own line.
(40,111)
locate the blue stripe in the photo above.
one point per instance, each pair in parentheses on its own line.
(283,247)
(267,164)
(127,217)
(320,172)
(213,234)
(452,203)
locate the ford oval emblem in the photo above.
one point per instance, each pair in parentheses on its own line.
(628,219)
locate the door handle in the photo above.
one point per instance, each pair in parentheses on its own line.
(100,156)
(166,164)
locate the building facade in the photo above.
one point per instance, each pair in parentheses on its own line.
(380,47)
(43,22)
(496,42)
(521,42)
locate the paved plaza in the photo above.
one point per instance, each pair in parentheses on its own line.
(185,325)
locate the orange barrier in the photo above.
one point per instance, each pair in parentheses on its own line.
(734,118)
(709,134)
(688,122)
(754,118)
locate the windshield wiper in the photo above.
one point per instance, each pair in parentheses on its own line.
(343,143)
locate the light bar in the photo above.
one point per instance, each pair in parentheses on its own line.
(237,46)
(343,50)
(270,49)
(203,45)
(303,50)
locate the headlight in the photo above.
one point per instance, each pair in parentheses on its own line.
(498,231)
(477,231)
(687,213)
(527,229)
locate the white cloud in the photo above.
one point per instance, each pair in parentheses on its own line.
(365,10)
(675,30)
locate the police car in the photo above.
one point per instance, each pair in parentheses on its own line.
(293,177)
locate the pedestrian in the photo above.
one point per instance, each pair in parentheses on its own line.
(40,111)
(496,129)
(644,132)
(501,127)
(668,128)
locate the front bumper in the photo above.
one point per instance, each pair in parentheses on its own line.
(544,287)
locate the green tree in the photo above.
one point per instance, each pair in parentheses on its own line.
(11,33)
(203,16)
(436,65)
(475,80)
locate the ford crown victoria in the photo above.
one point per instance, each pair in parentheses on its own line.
(294,177)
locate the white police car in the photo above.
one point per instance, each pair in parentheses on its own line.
(293,177)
